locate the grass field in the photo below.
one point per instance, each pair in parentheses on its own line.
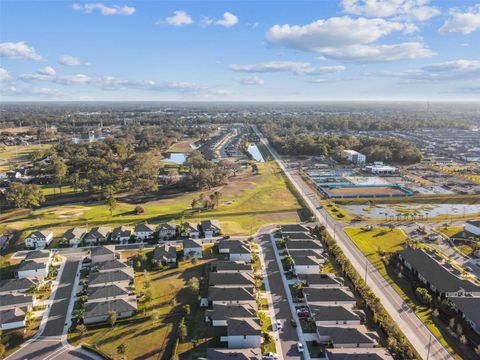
(16,155)
(383,240)
(183,146)
(248,202)
(149,339)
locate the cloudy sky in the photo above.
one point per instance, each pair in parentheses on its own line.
(242,50)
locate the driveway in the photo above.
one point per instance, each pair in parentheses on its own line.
(288,335)
(50,344)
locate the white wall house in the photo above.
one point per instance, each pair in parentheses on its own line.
(473,226)
(192,248)
(74,235)
(355,157)
(39,239)
(121,234)
(243,333)
(190,230)
(167,231)
(144,231)
(210,228)
(12,318)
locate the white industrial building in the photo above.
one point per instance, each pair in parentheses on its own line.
(355,157)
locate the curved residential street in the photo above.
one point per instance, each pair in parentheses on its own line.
(51,342)
(413,328)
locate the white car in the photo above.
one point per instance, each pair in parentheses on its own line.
(299,347)
(271,356)
(279,325)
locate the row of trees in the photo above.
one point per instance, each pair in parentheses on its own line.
(387,149)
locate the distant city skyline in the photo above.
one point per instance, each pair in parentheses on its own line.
(250,50)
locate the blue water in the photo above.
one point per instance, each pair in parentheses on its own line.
(253,150)
(177,158)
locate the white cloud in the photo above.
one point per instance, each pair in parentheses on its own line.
(228,20)
(298,68)
(76,79)
(104,9)
(349,39)
(69,60)
(463,22)
(400,9)
(332,32)
(449,70)
(47,70)
(4,75)
(179,18)
(250,80)
(18,50)
(35,92)
(379,53)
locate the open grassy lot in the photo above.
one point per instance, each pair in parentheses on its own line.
(16,155)
(381,241)
(150,338)
(182,146)
(450,231)
(248,202)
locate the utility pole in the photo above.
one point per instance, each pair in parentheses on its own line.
(366,268)
(429,343)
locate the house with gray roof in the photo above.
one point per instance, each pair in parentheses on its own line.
(144,231)
(74,235)
(167,231)
(358,354)
(192,248)
(107,292)
(231,295)
(97,235)
(243,333)
(97,312)
(39,239)
(345,336)
(210,228)
(16,286)
(219,314)
(234,354)
(121,234)
(13,318)
(329,296)
(230,266)
(120,277)
(231,279)
(165,254)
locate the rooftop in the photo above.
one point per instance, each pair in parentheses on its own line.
(243,326)
(236,278)
(234,354)
(220,293)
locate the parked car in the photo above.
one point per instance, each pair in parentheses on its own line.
(293,323)
(271,356)
(279,325)
(300,347)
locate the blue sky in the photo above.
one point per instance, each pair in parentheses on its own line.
(240,50)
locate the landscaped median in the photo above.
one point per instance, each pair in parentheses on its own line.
(379,244)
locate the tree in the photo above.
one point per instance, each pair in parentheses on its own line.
(2,350)
(193,284)
(217,196)
(139,210)
(112,203)
(112,318)
(60,170)
(288,261)
(155,317)
(182,331)
(24,195)
(81,329)
(186,309)
(122,349)
(423,295)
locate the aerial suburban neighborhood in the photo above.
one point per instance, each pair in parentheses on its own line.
(240,180)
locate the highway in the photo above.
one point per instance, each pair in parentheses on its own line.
(424,342)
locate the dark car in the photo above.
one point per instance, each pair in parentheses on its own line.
(293,323)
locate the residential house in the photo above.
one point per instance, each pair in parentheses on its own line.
(473,227)
(16,286)
(319,280)
(334,315)
(100,254)
(167,231)
(298,236)
(307,264)
(12,318)
(243,333)
(107,292)
(442,282)
(303,245)
(74,235)
(39,239)
(122,278)
(96,235)
(165,254)
(293,228)
(237,250)
(220,295)
(230,267)
(35,265)
(469,308)
(358,354)
(110,265)
(190,230)
(96,312)
(231,279)
(210,228)
(8,301)
(219,314)
(234,354)
(345,336)
(144,231)
(192,248)
(329,296)
(121,234)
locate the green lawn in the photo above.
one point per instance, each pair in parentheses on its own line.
(182,146)
(16,155)
(248,202)
(372,244)
(450,231)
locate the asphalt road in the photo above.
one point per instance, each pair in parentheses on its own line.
(288,335)
(413,328)
(49,345)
